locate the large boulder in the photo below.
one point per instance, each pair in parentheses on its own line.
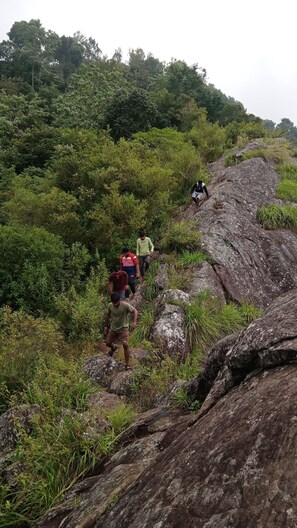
(168,331)
(268,342)
(235,467)
(250,263)
(233,464)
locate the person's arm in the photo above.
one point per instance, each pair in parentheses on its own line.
(126,280)
(135,316)
(135,262)
(106,323)
(151,246)
(206,191)
(137,248)
(110,284)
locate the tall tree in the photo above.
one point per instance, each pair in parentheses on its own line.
(69,54)
(28,48)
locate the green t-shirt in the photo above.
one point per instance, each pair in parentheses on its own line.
(120,315)
(144,247)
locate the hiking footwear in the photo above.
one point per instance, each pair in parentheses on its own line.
(112,351)
(127,367)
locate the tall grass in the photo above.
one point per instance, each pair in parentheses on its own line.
(287,190)
(57,452)
(192,258)
(274,152)
(277,217)
(207,320)
(287,171)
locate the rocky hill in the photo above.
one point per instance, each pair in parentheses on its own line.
(232,464)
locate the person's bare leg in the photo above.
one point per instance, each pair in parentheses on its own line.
(126,353)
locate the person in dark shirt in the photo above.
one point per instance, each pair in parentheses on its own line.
(118,282)
(197,192)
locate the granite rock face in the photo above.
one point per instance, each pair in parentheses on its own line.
(235,467)
(234,463)
(250,263)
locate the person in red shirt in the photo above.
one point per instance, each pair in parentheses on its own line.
(118,282)
(129,264)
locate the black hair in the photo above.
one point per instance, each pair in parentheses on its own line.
(125,250)
(115,297)
(117,267)
(141,232)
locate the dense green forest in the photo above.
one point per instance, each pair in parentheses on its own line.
(91,150)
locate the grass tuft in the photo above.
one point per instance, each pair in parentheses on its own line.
(277,217)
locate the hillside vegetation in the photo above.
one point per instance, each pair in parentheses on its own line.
(91,150)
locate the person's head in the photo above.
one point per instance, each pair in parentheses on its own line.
(115,298)
(117,268)
(200,181)
(125,251)
(142,233)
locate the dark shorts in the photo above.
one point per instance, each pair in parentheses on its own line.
(122,294)
(114,336)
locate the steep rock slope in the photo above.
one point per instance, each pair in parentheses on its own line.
(251,263)
(235,465)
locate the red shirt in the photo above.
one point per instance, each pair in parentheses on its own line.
(128,263)
(119,280)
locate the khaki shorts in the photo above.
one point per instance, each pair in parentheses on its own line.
(113,336)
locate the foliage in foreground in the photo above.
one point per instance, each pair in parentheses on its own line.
(37,368)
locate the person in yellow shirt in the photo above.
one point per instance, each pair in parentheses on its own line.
(144,248)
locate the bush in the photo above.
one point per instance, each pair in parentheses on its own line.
(287,190)
(188,258)
(81,314)
(24,342)
(207,320)
(277,217)
(58,452)
(287,171)
(181,236)
(31,267)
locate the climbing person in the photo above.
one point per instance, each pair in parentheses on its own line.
(118,282)
(129,264)
(144,248)
(197,192)
(116,325)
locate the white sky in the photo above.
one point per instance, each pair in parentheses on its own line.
(247,47)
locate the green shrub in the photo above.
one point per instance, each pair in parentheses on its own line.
(207,320)
(287,171)
(181,236)
(24,342)
(287,190)
(277,217)
(81,314)
(58,452)
(191,258)
(31,267)
(146,320)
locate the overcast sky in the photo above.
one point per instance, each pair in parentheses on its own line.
(247,48)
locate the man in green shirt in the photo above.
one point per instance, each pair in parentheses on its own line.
(143,249)
(116,325)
